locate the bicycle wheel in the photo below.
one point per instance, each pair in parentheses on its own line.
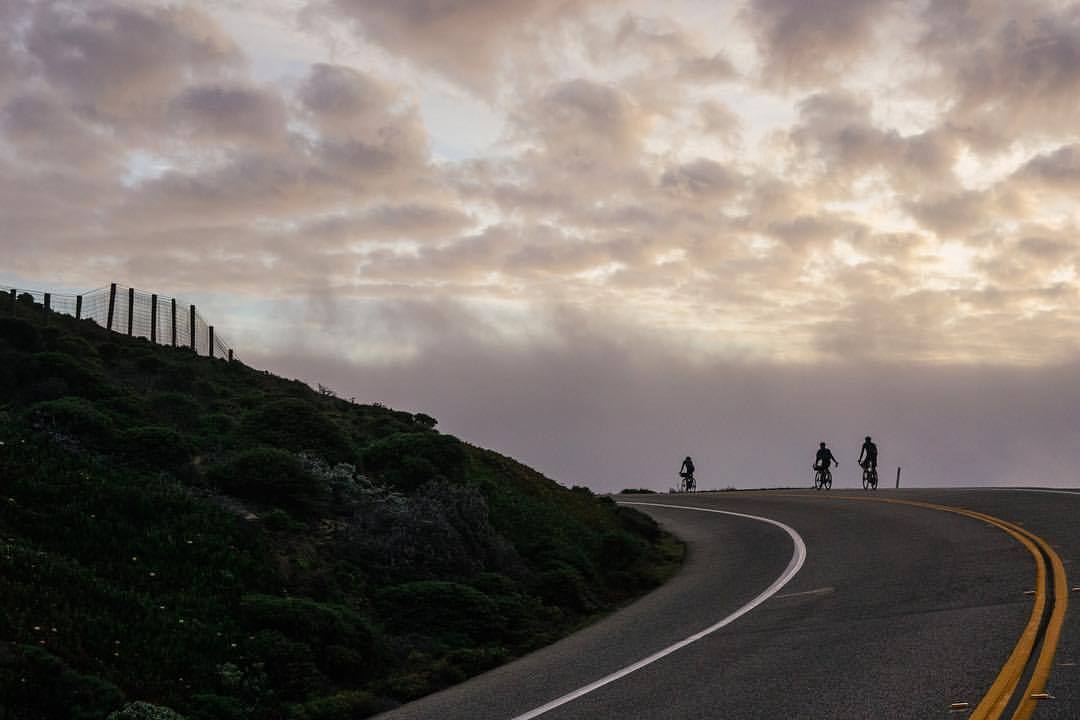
(873,479)
(865,479)
(828,480)
(819,480)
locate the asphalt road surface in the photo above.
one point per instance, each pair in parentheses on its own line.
(895,611)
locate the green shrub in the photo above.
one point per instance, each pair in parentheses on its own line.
(145,711)
(620,549)
(299,426)
(279,520)
(78,347)
(178,376)
(347,705)
(79,378)
(176,409)
(439,608)
(271,476)
(125,409)
(638,523)
(425,420)
(34,683)
(73,416)
(218,424)
(408,460)
(289,665)
(473,661)
(155,446)
(307,620)
(19,334)
(209,706)
(565,587)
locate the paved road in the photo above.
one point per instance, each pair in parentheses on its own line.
(897,612)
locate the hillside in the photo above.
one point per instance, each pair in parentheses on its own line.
(209,538)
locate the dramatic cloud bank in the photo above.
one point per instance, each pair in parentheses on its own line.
(595,234)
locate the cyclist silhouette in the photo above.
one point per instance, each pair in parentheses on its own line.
(868,455)
(686,472)
(823,458)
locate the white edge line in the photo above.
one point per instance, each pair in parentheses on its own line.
(793,567)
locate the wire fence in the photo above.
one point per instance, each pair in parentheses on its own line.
(160,319)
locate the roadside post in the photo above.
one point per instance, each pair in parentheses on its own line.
(897,477)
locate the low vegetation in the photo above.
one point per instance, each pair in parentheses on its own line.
(186,537)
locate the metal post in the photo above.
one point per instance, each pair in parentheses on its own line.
(14,302)
(131,309)
(153,319)
(112,305)
(897,477)
(230,354)
(173,325)
(210,351)
(45,309)
(78,307)
(191,328)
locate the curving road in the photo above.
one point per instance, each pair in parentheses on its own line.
(896,611)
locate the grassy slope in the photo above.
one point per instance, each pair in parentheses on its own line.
(230,544)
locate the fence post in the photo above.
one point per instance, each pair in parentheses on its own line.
(112,305)
(173,324)
(131,309)
(153,319)
(191,330)
(45,309)
(210,351)
(78,307)
(14,302)
(230,354)
(897,477)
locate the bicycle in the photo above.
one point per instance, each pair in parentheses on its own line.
(687,483)
(869,477)
(822,478)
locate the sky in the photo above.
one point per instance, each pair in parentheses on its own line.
(595,235)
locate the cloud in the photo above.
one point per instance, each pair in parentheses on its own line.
(1012,68)
(719,120)
(228,113)
(836,129)
(581,118)
(1058,170)
(343,100)
(467,41)
(118,62)
(957,214)
(702,179)
(807,42)
(665,43)
(46,133)
(409,222)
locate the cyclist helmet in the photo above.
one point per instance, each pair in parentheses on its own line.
(822,444)
(867,438)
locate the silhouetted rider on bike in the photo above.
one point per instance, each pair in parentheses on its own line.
(824,457)
(686,472)
(868,455)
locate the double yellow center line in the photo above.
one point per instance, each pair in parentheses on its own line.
(1004,687)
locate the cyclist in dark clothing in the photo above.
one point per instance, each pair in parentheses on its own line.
(824,457)
(868,455)
(686,472)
